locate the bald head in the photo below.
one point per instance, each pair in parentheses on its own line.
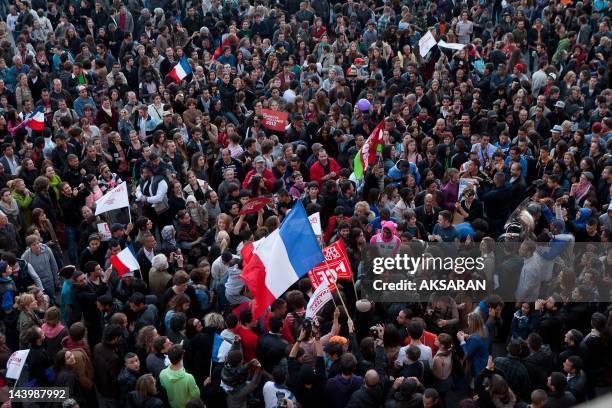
(371,378)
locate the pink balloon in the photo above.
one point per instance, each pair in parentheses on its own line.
(363,105)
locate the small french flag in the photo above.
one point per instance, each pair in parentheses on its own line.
(220,349)
(36,119)
(124,262)
(180,70)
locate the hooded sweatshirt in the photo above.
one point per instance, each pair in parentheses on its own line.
(388,246)
(44,264)
(180,386)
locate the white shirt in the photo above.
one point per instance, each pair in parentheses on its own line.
(426,355)
(269,392)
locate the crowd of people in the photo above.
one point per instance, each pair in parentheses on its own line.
(501,135)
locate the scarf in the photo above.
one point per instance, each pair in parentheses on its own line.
(582,190)
(52,331)
(168,235)
(54,183)
(11,210)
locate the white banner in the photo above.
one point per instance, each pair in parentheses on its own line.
(15,364)
(426,43)
(452,46)
(114,199)
(315,223)
(319,298)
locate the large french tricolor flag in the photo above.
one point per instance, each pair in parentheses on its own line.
(36,119)
(274,263)
(124,262)
(180,70)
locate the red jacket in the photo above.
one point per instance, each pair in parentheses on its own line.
(317,172)
(267,175)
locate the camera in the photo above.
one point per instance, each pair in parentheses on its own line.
(373,331)
(307,325)
(281,401)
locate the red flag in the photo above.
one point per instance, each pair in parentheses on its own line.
(376,141)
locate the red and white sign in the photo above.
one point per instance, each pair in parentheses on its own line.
(275,120)
(337,267)
(254,205)
(15,364)
(319,298)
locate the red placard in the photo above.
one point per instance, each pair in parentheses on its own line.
(337,267)
(254,205)
(275,120)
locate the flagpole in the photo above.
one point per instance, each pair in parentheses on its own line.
(338,290)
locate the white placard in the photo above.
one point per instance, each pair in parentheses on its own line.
(15,364)
(426,43)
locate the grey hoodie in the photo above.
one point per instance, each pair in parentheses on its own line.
(44,264)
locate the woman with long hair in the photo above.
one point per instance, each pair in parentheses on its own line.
(178,304)
(176,198)
(145,395)
(196,186)
(475,344)
(46,230)
(23,197)
(49,172)
(118,151)
(95,192)
(65,375)
(199,166)
(10,208)
(144,341)
(144,226)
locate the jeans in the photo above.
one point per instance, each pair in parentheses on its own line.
(50,291)
(72,234)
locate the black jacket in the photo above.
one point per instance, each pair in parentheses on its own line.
(135,400)
(127,383)
(45,202)
(563,399)
(270,350)
(107,365)
(71,207)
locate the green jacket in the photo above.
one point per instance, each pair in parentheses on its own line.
(180,386)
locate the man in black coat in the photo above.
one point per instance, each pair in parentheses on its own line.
(145,256)
(271,347)
(86,290)
(499,199)
(558,397)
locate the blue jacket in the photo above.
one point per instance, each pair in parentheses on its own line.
(477,350)
(397,175)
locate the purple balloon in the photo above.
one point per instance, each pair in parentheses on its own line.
(363,105)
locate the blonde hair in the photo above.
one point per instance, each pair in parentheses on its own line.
(214,320)
(24,300)
(476,325)
(222,240)
(365,205)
